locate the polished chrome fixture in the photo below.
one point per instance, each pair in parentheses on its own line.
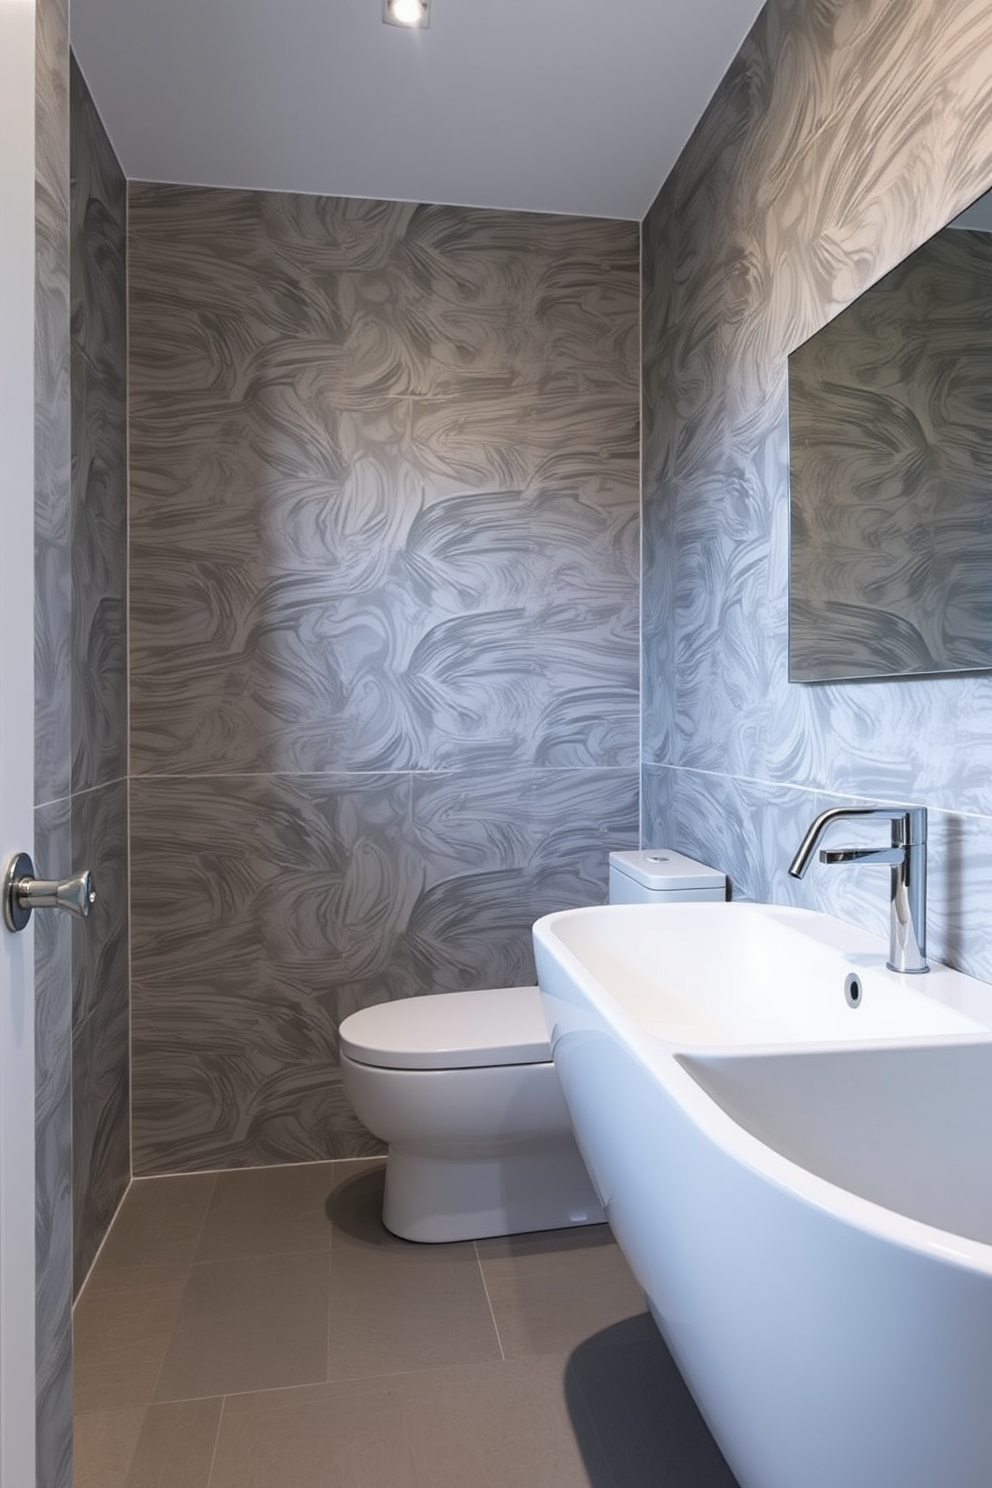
(23,893)
(414,14)
(907,857)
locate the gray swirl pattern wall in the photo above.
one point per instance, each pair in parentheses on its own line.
(843,135)
(101,1157)
(53,750)
(384,629)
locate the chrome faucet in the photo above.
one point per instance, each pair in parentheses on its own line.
(907,858)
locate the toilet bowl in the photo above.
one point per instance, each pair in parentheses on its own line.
(462,1087)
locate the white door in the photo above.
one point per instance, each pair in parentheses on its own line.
(17,1264)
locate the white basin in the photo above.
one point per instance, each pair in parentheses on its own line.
(909,1128)
(755,974)
(803,1189)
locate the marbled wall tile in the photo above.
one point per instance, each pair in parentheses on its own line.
(579,446)
(501,849)
(101,1003)
(52,406)
(100,993)
(234,1075)
(747,829)
(384,519)
(268,909)
(99,449)
(350,457)
(53,1162)
(308,877)
(658,805)
(460,574)
(841,137)
(471,822)
(258,904)
(959,928)
(472,930)
(584,821)
(657,653)
(101,1129)
(100,946)
(388,297)
(52,748)
(318,682)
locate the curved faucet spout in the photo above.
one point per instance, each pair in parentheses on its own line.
(909,829)
(907,857)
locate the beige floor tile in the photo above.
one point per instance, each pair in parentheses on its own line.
(153,1239)
(391,1312)
(119,1342)
(103,1446)
(551,1291)
(397,1306)
(418,1394)
(250,1324)
(485,1426)
(269,1211)
(176,1445)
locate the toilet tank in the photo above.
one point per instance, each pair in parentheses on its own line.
(661,876)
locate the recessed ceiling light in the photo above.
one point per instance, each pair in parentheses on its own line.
(407,13)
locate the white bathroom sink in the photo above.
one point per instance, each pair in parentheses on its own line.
(705,975)
(802,1188)
(905,1127)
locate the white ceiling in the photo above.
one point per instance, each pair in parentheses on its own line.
(536,105)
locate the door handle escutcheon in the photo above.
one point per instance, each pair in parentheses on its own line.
(23,893)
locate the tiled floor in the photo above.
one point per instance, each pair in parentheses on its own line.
(261,1329)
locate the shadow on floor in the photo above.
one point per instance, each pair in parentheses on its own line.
(636,1423)
(354,1208)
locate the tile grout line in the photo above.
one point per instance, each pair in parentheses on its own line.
(213,1454)
(489,1300)
(182,1294)
(327,1319)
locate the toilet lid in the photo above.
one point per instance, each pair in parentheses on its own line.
(450,1030)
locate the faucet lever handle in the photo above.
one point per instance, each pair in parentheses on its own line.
(892,856)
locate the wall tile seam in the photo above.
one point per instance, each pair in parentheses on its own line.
(128,715)
(304,1162)
(467,391)
(74,795)
(96,1257)
(822,790)
(461,398)
(641,660)
(346,774)
(101,785)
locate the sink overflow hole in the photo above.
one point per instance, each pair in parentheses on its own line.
(852,989)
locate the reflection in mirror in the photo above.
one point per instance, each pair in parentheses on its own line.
(890,428)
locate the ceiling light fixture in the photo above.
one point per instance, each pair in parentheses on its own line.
(409,13)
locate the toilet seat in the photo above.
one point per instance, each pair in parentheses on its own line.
(450,1030)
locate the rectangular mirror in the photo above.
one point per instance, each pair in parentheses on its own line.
(890,430)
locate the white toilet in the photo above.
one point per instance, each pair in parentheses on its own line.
(462,1087)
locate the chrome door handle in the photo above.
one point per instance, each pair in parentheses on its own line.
(22,892)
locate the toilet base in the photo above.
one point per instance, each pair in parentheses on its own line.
(461,1194)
